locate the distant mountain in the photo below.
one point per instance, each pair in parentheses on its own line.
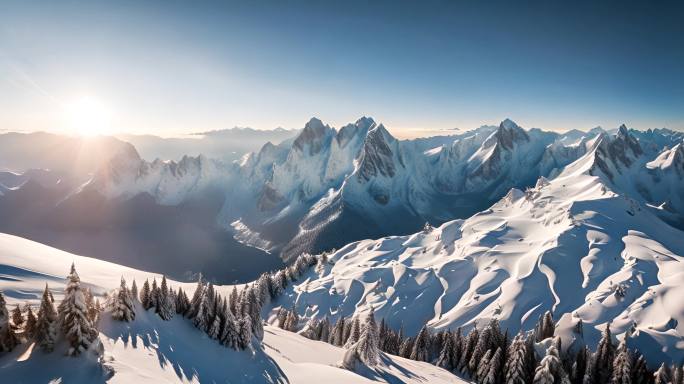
(587,245)
(226,145)
(325,188)
(329,187)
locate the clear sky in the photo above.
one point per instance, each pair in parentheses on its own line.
(170,67)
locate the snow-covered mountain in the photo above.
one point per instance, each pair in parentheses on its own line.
(329,187)
(150,350)
(587,245)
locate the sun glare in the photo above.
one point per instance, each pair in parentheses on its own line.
(88,116)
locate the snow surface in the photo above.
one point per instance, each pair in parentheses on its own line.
(150,350)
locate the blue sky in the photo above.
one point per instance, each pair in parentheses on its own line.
(171,67)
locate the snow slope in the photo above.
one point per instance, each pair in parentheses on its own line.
(149,350)
(577,245)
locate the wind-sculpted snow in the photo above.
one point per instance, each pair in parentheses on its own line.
(574,245)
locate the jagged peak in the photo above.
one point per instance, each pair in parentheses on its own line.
(313,136)
(381,132)
(365,122)
(509,124)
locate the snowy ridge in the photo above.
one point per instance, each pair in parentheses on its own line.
(576,245)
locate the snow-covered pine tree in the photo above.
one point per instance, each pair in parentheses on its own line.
(421,345)
(17,317)
(354,332)
(252,307)
(467,350)
(181,308)
(495,372)
(321,263)
(73,316)
(163,307)
(482,367)
(8,339)
(448,357)
(367,348)
(262,289)
(579,366)
(604,356)
(406,347)
(172,301)
(155,295)
(530,356)
(550,369)
(134,291)
(197,297)
(205,315)
(230,331)
(145,295)
(622,365)
(337,334)
(122,304)
(324,333)
(214,329)
(661,376)
(640,372)
(46,323)
(233,301)
(677,374)
(483,344)
(30,327)
(245,328)
(515,371)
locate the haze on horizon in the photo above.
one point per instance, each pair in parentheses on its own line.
(169,68)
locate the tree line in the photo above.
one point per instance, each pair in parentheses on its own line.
(487,355)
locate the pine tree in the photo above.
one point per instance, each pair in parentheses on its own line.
(252,307)
(17,317)
(182,302)
(145,296)
(30,327)
(579,366)
(467,350)
(163,308)
(196,301)
(483,344)
(46,323)
(550,369)
(214,330)
(661,376)
(230,331)
(482,367)
(354,333)
(134,291)
(493,376)
(155,295)
(367,347)
(245,327)
(324,334)
(122,304)
(677,374)
(640,373)
(406,347)
(337,334)
(233,300)
(447,356)
(622,365)
(515,371)
(420,346)
(8,339)
(73,316)
(605,353)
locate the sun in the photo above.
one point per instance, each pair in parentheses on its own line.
(88,116)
